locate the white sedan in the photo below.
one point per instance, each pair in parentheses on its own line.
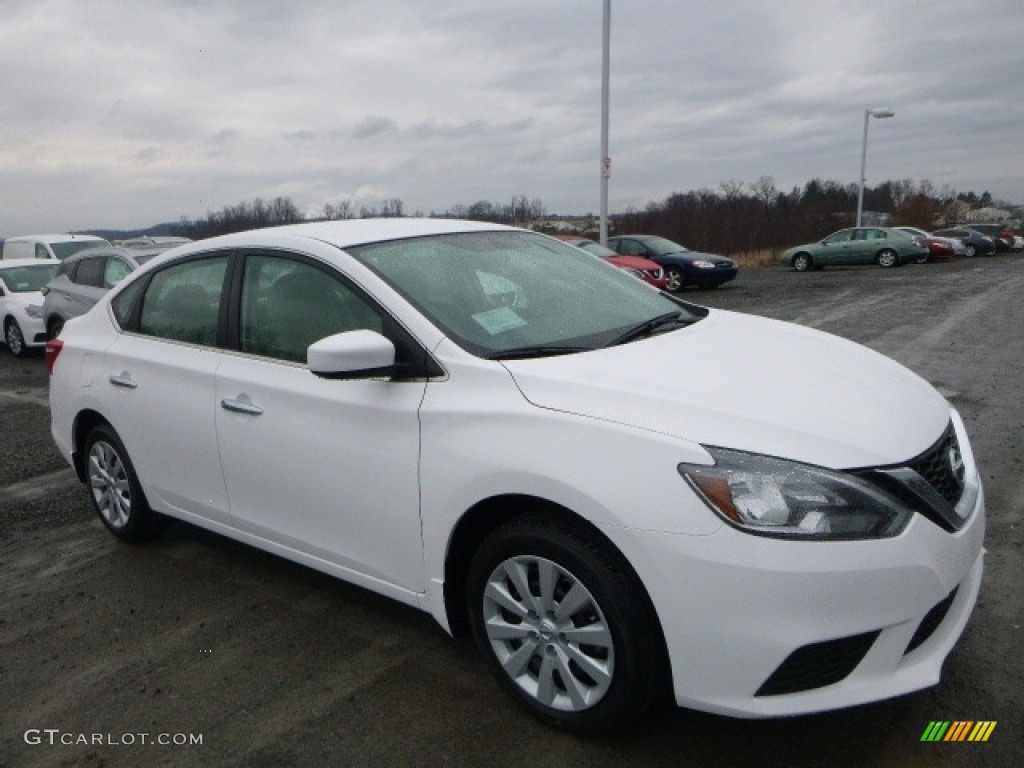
(618,493)
(21,302)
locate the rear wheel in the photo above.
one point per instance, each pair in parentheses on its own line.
(114,487)
(14,337)
(565,625)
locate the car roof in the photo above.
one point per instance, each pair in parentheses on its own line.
(119,250)
(9,263)
(53,238)
(347,233)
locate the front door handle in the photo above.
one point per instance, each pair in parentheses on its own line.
(241,405)
(123,379)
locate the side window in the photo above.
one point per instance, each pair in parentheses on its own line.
(124,303)
(116,271)
(90,271)
(288,304)
(42,252)
(840,237)
(68,268)
(182,302)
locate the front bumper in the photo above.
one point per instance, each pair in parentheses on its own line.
(759,627)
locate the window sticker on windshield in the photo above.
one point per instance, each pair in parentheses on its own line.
(499,320)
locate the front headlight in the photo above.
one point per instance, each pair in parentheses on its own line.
(774,497)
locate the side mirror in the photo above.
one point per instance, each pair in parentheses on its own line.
(352,355)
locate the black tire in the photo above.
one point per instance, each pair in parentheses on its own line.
(888,258)
(567,680)
(802,262)
(675,279)
(114,487)
(14,338)
(55,326)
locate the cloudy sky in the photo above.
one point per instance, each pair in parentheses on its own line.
(126,113)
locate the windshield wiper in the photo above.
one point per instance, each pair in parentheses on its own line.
(540,350)
(648,327)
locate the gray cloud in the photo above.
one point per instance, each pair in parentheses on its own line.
(446,103)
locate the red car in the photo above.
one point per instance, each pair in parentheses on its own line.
(939,249)
(647,270)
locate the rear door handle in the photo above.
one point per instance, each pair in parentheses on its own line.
(123,379)
(241,405)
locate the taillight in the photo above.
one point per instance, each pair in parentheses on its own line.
(53,348)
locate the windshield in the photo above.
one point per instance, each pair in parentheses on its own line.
(659,246)
(517,293)
(29,278)
(65,249)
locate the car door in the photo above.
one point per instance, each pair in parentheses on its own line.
(160,371)
(838,249)
(324,467)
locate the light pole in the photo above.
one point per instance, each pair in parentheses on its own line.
(606,163)
(868,114)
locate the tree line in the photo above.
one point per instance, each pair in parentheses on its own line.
(735,218)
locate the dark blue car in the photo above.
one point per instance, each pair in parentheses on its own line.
(682,266)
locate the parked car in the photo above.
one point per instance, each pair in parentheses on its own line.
(57,247)
(579,471)
(975,243)
(645,269)
(884,246)
(21,303)
(939,248)
(682,266)
(82,280)
(1002,235)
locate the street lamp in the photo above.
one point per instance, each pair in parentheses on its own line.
(606,162)
(868,113)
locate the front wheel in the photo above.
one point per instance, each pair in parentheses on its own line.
(888,258)
(802,262)
(15,338)
(114,487)
(674,279)
(970,250)
(565,625)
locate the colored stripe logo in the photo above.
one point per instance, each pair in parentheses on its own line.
(958,730)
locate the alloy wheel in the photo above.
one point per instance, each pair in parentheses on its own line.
(548,633)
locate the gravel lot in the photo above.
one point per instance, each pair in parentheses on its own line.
(271,664)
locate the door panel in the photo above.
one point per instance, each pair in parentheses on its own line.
(167,390)
(327,467)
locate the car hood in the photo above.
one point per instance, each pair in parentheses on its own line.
(751,384)
(25,298)
(695,255)
(634,262)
